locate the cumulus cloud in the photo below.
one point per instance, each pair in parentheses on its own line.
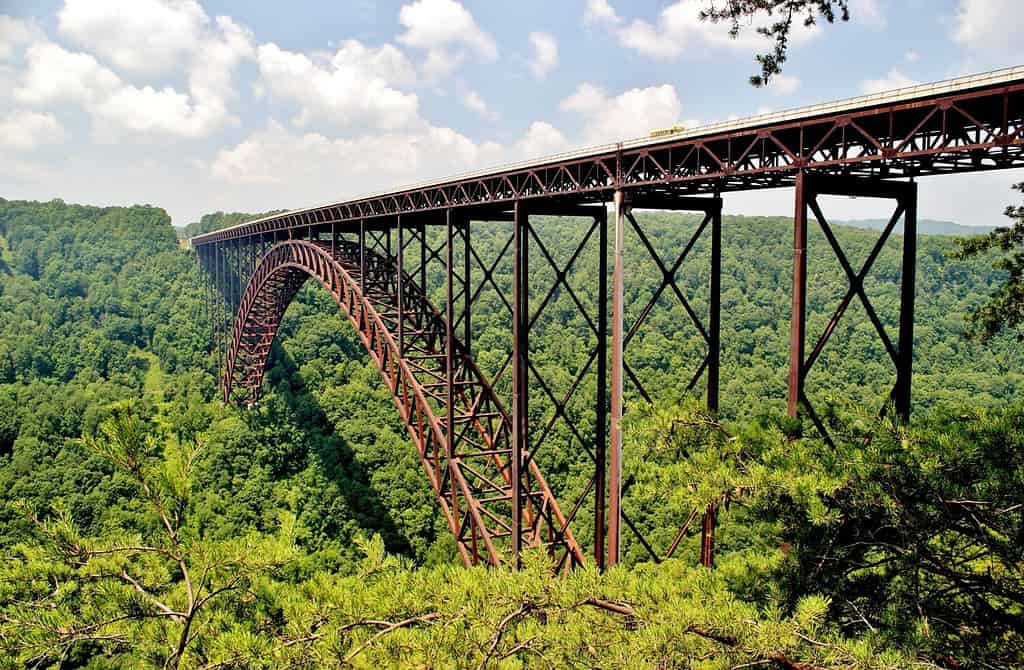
(162,111)
(783,84)
(55,75)
(25,129)
(541,139)
(473,101)
(444,29)
(278,156)
(679,29)
(352,86)
(599,11)
(893,79)
(14,33)
(989,25)
(136,35)
(630,114)
(210,74)
(545,54)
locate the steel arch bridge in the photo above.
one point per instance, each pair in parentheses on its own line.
(379,255)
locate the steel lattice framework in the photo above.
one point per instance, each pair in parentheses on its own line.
(459,427)
(377,255)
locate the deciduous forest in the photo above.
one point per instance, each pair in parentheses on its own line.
(146,524)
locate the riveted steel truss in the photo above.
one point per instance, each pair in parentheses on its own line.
(941,133)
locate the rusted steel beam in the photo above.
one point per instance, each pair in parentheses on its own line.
(618,335)
(400,279)
(798,318)
(449,358)
(467,283)
(601,423)
(520,367)
(908,287)
(715,309)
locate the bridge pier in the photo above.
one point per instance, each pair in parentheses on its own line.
(809,186)
(624,203)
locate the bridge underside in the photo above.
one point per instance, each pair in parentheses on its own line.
(481,445)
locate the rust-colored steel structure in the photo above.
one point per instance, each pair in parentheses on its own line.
(379,255)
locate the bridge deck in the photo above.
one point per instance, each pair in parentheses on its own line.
(959,125)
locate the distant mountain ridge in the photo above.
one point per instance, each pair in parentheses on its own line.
(924,227)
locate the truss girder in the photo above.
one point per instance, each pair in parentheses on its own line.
(967,131)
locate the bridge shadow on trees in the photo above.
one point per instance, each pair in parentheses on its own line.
(361,473)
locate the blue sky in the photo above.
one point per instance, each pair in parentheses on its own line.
(197,106)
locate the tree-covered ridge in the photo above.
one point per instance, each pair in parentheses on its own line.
(908,542)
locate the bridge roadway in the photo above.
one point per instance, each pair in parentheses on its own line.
(360,249)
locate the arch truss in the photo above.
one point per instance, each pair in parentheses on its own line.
(463,433)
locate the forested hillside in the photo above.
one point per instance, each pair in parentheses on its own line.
(146,524)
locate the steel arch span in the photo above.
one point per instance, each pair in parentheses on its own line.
(459,426)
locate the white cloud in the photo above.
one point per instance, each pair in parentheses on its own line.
(24,129)
(989,25)
(210,74)
(783,84)
(440,62)
(599,11)
(280,157)
(439,26)
(545,54)
(679,29)
(163,111)
(631,114)
(541,139)
(55,75)
(14,33)
(473,101)
(911,56)
(893,79)
(353,86)
(136,35)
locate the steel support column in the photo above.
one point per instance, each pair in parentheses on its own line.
(362,256)
(798,318)
(715,311)
(707,544)
(401,285)
(908,285)
(467,293)
(449,356)
(520,368)
(601,424)
(618,331)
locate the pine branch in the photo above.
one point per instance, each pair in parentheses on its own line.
(390,628)
(508,620)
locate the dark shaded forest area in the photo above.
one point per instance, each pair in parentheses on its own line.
(145,524)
